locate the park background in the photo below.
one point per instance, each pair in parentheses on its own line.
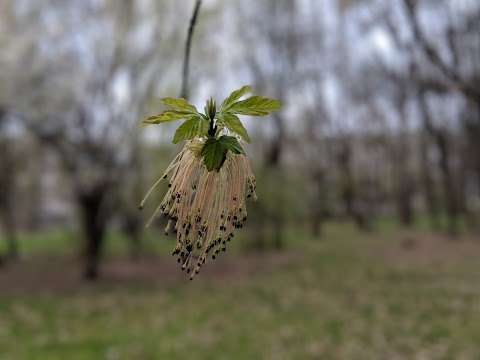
(364,242)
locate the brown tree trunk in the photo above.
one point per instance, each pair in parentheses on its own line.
(7,188)
(428,184)
(10,234)
(318,202)
(91,206)
(275,180)
(403,183)
(448,183)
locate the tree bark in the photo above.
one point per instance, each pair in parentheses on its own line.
(92,209)
(318,203)
(448,183)
(429,184)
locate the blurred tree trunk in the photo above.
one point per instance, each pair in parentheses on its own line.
(428,183)
(276,181)
(471,129)
(403,177)
(94,222)
(7,189)
(348,192)
(318,201)
(448,183)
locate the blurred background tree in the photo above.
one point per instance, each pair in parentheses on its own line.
(381,115)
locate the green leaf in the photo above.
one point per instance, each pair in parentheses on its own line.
(180,104)
(234,96)
(196,148)
(193,126)
(231,143)
(234,124)
(214,154)
(167,115)
(255,106)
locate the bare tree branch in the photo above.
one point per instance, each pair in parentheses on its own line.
(434,57)
(188,45)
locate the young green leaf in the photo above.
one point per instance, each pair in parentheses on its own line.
(193,126)
(181,110)
(255,106)
(234,124)
(167,115)
(180,104)
(234,96)
(231,143)
(214,154)
(196,148)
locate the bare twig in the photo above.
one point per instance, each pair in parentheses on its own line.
(186,60)
(432,54)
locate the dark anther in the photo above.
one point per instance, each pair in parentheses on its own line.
(166,233)
(140,207)
(223,249)
(231,235)
(196,271)
(188,270)
(244,218)
(164,176)
(182,254)
(189,248)
(240,210)
(249,196)
(228,218)
(178,260)
(217,251)
(170,185)
(235,218)
(213,257)
(234,198)
(221,216)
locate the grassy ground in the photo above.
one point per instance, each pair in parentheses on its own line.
(389,295)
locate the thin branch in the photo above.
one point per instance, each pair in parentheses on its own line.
(186,60)
(432,54)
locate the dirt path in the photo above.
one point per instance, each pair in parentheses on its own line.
(47,274)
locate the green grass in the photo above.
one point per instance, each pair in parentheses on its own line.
(348,296)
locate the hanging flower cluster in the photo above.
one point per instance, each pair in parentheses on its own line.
(211,177)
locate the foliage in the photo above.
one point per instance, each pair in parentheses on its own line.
(211,124)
